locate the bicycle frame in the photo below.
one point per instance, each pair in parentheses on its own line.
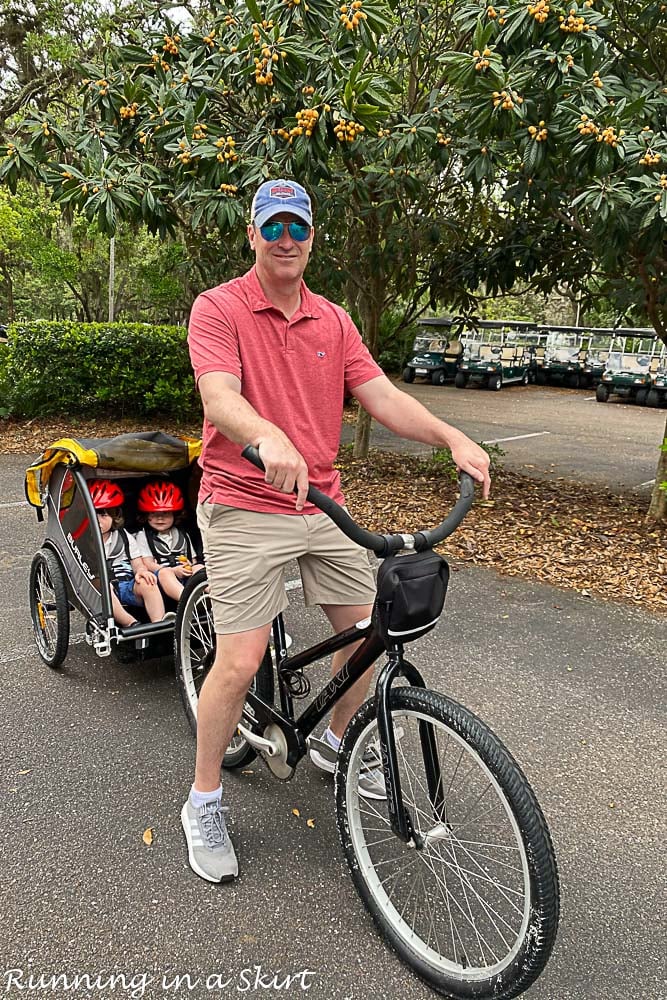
(260,715)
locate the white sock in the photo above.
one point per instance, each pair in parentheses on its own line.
(332,739)
(199,799)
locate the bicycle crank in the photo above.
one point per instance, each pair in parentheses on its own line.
(272,747)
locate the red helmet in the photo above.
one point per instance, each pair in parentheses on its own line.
(105,494)
(160,496)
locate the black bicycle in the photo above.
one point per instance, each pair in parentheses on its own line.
(456,865)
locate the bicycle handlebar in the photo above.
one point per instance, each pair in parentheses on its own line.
(384,545)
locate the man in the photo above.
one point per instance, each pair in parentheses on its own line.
(273,362)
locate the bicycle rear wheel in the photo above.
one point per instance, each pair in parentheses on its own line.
(194,652)
(474,909)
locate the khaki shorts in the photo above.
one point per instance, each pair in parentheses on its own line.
(247,553)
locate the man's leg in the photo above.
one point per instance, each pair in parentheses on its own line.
(323,752)
(342,617)
(221,699)
(210,851)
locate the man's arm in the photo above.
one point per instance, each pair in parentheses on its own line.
(233,416)
(407,417)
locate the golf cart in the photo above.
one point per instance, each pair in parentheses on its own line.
(630,369)
(436,353)
(495,361)
(596,347)
(563,358)
(657,394)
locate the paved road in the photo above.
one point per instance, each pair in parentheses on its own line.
(94,754)
(549,431)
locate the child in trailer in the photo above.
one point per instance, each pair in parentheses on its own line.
(166,549)
(132,584)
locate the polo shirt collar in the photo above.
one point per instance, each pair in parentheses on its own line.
(258,301)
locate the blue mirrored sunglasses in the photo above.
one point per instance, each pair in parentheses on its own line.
(272,231)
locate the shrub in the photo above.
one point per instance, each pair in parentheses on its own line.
(120,369)
(441,460)
(395,342)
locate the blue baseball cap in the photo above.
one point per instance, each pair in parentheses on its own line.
(273,197)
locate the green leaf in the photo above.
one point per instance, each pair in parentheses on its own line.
(254,10)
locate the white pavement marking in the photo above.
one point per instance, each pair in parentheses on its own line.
(517,437)
(642,485)
(16,503)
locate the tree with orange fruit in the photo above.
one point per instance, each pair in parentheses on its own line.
(450,148)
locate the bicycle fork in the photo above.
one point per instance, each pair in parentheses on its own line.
(399,816)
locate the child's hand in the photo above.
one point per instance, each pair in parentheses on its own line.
(145,576)
(184,568)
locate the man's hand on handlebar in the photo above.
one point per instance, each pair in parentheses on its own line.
(470,458)
(286,469)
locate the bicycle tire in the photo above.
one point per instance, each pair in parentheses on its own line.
(450,947)
(194,651)
(49,607)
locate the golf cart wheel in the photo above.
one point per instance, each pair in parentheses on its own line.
(472,903)
(495,383)
(573,381)
(641,396)
(460,380)
(438,377)
(194,652)
(49,607)
(652,397)
(540,377)
(408,374)
(602,393)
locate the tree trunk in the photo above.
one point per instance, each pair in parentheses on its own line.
(9,287)
(657,511)
(368,301)
(362,434)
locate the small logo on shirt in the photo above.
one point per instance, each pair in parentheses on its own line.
(321,354)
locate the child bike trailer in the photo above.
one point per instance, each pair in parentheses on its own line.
(70,570)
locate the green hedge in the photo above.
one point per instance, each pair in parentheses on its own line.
(121,369)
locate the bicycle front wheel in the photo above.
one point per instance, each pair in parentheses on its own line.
(473,908)
(194,652)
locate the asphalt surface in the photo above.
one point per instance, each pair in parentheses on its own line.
(94,754)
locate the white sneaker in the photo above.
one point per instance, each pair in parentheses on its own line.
(371,778)
(210,851)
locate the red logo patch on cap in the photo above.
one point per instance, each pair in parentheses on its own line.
(282,191)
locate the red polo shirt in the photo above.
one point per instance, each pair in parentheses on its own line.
(293,372)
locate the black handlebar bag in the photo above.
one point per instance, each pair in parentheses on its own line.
(411,593)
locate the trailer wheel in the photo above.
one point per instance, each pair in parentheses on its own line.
(49,607)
